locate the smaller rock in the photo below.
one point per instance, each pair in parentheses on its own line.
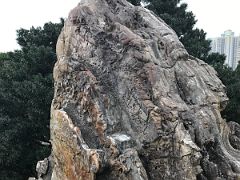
(42,167)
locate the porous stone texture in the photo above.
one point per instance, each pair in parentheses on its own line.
(234,135)
(42,167)
(131,104)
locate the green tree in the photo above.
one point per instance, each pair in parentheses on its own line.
(196,44)
(231,79)
(216,60)
(26,91)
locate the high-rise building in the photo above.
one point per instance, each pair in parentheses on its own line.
(238,51)
(229,45)
(217,45)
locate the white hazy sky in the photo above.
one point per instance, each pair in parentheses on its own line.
(214,16)
(15,14)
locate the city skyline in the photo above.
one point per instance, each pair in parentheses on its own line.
(228,44)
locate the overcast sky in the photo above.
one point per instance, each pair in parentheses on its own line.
(214,16)
(26,13)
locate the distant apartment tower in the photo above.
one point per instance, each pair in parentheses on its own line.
(237,51)
(229,45)
(217,45)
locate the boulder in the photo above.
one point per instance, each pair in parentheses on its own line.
(130,103)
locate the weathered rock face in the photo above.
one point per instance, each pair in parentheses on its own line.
(131,104)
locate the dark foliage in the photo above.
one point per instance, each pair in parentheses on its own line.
(26,91)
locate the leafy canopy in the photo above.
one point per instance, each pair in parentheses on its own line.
(26,91)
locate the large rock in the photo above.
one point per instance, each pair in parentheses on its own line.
(131,104)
